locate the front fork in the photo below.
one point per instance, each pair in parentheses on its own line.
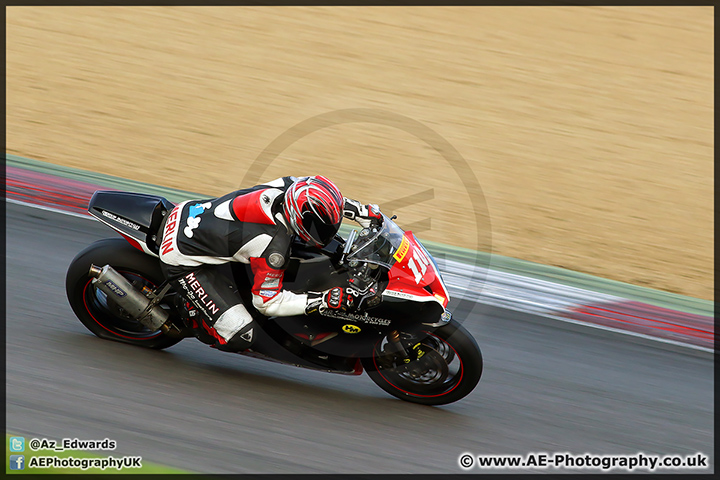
(394,339)
(417,350)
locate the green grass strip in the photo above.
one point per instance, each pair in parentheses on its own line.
(147,467)
(101,179)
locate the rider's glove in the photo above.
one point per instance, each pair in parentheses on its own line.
(365,215)
(336,299)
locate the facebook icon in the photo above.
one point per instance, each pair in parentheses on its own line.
(17,462)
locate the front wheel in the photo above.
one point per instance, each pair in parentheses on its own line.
(444,366)
(100,314)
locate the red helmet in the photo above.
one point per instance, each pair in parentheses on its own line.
(314,209)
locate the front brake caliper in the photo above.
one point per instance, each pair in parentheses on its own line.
(416,353)
(419,350)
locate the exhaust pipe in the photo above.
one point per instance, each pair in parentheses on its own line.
(129,298)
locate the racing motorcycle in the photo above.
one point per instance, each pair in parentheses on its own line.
(400,330)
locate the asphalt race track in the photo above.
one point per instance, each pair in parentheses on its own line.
(547,387)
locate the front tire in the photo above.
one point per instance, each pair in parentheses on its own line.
(448,366)
(98,313)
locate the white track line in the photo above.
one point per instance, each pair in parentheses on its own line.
(50,209)
(465,294)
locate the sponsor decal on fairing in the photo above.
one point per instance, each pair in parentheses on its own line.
(121,220)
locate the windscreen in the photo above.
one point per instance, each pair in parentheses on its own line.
(377,244)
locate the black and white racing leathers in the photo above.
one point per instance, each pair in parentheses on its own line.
(243,226)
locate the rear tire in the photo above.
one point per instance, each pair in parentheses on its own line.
(91,305)
(449,369)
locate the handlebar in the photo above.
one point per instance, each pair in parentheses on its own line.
(348,245)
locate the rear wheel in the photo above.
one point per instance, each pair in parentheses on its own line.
(100,314)
(443,366)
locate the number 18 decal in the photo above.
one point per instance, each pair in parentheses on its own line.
(418,264)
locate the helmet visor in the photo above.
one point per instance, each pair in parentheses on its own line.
(318,231)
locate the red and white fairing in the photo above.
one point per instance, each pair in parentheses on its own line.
(414,275)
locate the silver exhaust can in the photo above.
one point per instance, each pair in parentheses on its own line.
(128,297)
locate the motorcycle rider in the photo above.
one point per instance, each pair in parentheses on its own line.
(255,226)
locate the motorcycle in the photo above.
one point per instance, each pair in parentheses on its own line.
(400,331)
